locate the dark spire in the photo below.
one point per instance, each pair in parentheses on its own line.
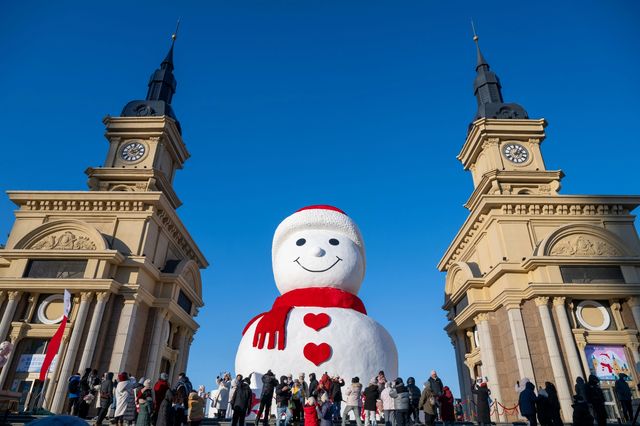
(488,93)
(162,87)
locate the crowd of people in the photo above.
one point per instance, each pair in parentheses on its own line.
(124,400)
(327,400)
(323,401)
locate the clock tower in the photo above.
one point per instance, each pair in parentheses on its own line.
(540,285)
(145,142)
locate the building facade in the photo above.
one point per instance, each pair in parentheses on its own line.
(119,248)
(539,285)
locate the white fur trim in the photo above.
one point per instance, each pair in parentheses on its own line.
(317,219)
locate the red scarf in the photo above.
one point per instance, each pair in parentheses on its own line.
(274,322)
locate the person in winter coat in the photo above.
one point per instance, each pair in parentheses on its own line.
(445,401)
(624,396)
(581,414)
(482,393)
(400,394)
(335,396)
(527,403)
(125,401)
(581,388)
(382,381)
(371,396)
(241,402)
(388,405)
(427,403)
(73,392)
(554,404)
(106,397)
(310,412)
(313,385)
(353,401)
(543,408)
(414,399)
(196,409)
(160,389)
(165,415)
(269,383)
(283,396)
(297,401)
(325,411)
(221,399)
(235,384)
(145,405)
(595,397)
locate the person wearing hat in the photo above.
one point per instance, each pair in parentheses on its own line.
(283,396)
(400,394)
(371,396)
(241,402)
(482,392)
(160,388)
(353,395)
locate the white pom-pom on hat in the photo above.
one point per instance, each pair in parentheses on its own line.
(318,217)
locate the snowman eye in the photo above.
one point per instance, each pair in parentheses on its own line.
(301,242)
(334,242)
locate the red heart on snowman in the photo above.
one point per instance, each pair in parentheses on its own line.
(317,354)
(317,321)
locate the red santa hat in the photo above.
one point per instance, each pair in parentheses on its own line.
(318,217)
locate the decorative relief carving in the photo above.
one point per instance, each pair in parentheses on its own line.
(102,296)
(564,209)
(542,301)
(65,240)
(481,317)
(583,245)
(177,236)
(14,295)
(86,296)
(559,301)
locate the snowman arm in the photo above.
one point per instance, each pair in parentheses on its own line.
(251,322)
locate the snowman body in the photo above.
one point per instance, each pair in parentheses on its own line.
(358,346)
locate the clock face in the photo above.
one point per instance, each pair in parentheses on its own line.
(515,153)
(132,151)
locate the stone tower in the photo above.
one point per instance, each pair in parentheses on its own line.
(119,248)
(538,283)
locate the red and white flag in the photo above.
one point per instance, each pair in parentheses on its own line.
(54,344)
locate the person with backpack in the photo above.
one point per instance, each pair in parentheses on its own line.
(400,394)
(73,392)
(428,404)
(326,408)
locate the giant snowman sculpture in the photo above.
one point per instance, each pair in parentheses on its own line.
(318,324)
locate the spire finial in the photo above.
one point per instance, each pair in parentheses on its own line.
(473,28)
(481,60)
(174,36)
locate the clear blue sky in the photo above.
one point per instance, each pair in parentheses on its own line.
(359,104)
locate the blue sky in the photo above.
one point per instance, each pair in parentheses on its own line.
(359,104)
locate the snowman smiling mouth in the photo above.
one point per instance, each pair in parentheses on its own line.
(321,270)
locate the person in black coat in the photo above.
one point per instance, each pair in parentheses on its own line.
(283,396)
(554,404)
(527,403)
(595,397)
(414,399)
(335,395)
(313,386)
(241,402)
(581,414)
(482,393)
(543,408)
(166,413)
(371,396)
(269,383)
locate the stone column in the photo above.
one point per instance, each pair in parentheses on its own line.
(188,340)
(519,336)
(463,377)
(7,366)
(9,312)
(573,359)
(555,358)
(634,304)
(72,352)
(155,353)
(94,328)
(124,335)
(488,360)
(634,351)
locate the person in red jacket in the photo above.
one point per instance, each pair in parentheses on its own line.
(446,406)
(310,412)
(159,390)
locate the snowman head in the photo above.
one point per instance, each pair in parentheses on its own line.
(318,246)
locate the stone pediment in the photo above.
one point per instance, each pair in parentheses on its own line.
(583,245)
(64,240)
